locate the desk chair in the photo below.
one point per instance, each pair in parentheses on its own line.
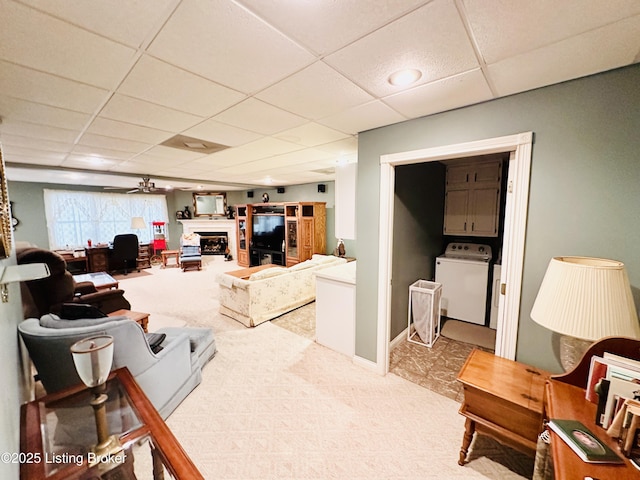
(125,249)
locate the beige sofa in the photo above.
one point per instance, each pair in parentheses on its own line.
(271,292)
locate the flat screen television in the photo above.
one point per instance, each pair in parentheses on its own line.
(268,232)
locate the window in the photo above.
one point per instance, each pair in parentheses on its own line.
(75,217)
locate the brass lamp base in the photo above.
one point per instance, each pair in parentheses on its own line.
(108,445)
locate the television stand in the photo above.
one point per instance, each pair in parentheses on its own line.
(262,256)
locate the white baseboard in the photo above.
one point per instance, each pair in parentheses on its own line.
(398,340)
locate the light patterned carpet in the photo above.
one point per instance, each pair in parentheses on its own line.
(276,405)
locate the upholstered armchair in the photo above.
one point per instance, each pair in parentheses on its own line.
(47,295)
(166,377)
(190,253)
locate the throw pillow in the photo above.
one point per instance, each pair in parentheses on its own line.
(268,273)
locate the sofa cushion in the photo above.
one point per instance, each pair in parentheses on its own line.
(268,273)
(302,266)
(316,257)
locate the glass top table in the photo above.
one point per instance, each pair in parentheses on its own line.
(58,432)
(101,280)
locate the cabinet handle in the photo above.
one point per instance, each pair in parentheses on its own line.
(465,226)
(473,226)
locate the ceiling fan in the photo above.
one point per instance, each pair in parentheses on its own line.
(144,186)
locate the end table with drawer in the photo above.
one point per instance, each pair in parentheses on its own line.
(502,399)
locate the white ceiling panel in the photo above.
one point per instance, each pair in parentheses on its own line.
(25,111)
(286,85)
(124,145)
(163,84)
(27,84)
(452,92)
(128,131)
(130,23)
(259,117)
(208,37)
(139,112)
(315,92)
(325,26)
(432,39)
(592,52)
(89,162)
(95,60)
(363,117)
(222,133)
(311,135)
(504,28)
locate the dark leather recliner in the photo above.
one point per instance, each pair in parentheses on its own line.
(47,295)
(125,250)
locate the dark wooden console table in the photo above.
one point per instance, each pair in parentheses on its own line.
(58,430)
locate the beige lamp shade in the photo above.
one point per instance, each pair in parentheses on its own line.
(586,298)
(137,223)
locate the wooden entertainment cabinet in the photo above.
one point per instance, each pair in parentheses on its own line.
(304,233)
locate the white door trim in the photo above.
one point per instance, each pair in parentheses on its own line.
(513,240)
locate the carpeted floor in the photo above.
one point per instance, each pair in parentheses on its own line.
(276,405)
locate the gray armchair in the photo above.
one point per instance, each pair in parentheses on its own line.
(166,377)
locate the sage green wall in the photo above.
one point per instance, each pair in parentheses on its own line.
(417,233)
(584,193)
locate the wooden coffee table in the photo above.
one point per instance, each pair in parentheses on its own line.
(140,317)
(102,280)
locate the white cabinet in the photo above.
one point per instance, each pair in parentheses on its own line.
(336,308)
(472,198)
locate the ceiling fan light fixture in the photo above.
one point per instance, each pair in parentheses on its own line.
(405,77)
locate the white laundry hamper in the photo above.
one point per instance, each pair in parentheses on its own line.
(423,324)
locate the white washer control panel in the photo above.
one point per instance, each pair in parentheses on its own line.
(471,251)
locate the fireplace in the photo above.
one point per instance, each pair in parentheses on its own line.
(213,243)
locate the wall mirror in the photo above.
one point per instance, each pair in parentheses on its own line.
(209,204)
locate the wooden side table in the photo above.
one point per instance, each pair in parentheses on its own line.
(167,254)
(502,399)
(140,317)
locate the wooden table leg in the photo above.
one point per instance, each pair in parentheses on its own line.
(469,429)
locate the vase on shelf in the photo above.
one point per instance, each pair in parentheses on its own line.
(186,213)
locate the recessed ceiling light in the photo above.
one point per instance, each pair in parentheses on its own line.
(403,78)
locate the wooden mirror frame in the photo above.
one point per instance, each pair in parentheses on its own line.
(207,204)
(5,213)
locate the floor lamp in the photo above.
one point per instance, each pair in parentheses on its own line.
(585,299)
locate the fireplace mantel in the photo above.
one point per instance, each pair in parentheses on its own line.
(212,225)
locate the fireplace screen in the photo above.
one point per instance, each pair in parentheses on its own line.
(214,243)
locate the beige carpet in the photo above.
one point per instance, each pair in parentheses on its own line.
(466,332)
(275,405)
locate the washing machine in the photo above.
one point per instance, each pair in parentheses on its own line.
(463,272)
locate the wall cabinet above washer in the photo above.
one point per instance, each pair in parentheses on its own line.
(472,198)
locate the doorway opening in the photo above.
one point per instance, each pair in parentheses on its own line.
(515,212)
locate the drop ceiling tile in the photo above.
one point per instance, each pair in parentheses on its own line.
(9,151)
(453,92)
(163,84)
(38,87)
(363,117)
(42,132)
(147,163)
(278,161)
(221,32)
(595,51)
(36,143)
(259,117)
(311,134)
(326,26)
(433,40)
(531,25)
(98,153)
(89,162)
(180,172)
(116,129)
(95,60)
(341,147)
(130,23)
(139,112)
(266,147)
(31,112)
(315,92)
(93,140)
(221,133)
(173,153)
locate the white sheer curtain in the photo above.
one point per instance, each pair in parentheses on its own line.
(73,218)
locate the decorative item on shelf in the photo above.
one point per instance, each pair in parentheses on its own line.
(93,358)
(340,250)
(231,213)
(89,243)
(265,197)
(14,221)
(585,299)
(186,213)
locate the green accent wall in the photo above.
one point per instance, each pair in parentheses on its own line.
(584,194)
